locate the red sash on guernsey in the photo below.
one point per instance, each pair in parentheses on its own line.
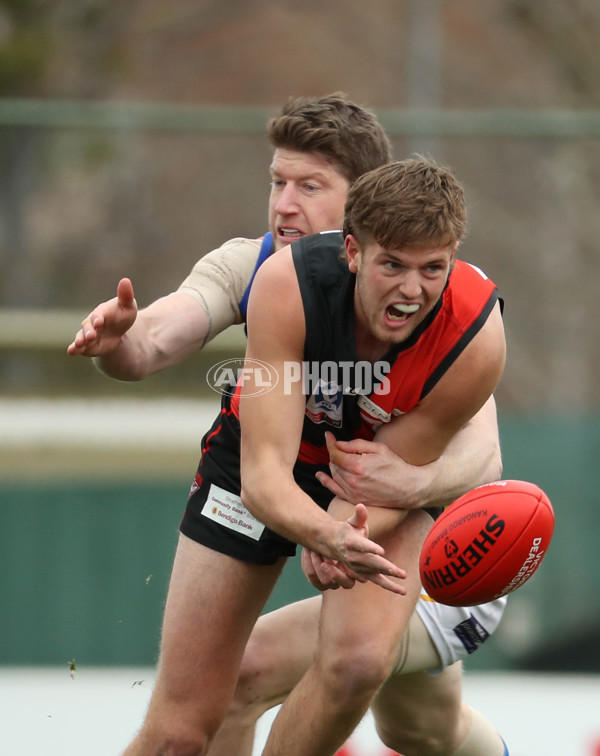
(467,302)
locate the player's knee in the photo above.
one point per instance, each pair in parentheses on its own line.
(355,671)
(420,734)
(168,742)
(177,733)
(416,741)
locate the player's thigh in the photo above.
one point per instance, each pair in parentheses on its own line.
(212,605)
(418,705)
(417,651)
(280,649)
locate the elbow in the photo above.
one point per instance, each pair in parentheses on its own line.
(250,494)
(256,492)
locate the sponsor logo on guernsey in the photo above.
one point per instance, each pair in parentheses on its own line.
(373,410)
(228,510)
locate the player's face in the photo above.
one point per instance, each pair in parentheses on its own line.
(396,289)
(308,195)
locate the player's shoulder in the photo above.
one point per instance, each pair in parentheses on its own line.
(320,256)
(234,249)
(464,271)
(322,241)
(470,293)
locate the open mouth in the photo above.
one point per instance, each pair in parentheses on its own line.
(401,312)
(289,233)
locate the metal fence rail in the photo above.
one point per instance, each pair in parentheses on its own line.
(55,329)
(227,119)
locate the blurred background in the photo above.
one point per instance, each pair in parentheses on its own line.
(132,143)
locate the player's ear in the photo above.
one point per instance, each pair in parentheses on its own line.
(454,253)
(352,253)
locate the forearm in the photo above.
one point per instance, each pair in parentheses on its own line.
(284,508)
(471,459)
(133,357)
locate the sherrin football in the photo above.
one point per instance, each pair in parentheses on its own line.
(487,543)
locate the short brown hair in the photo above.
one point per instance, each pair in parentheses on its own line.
(411,202)
(344,133)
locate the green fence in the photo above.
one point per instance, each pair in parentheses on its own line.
(85,567)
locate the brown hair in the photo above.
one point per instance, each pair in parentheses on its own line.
(411,202)
(344,133)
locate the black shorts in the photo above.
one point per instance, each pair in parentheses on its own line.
(215,515)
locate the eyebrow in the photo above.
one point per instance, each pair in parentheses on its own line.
(400,257)
(316,175)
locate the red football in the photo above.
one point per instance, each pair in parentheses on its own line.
(487,543)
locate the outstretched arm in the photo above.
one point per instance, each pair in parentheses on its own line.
(129,345)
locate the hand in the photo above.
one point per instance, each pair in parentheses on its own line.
(359,559)
(101,331)
(327,574)
(370,472)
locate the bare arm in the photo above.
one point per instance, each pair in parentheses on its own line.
(370,472)
(129,345)
(272,427)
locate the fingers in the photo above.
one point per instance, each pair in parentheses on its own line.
(345,454)
(359,519)
(86,334)
(125,295)
(328,482)
(309,570)
(358,446)
(324,575)
(388,584)
(367,565)
(335,455)
(332,575)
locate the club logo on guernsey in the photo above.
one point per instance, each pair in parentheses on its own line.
(324,405)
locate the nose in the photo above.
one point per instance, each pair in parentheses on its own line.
(410,285)
(286,200)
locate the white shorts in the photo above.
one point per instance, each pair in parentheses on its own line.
(457,631)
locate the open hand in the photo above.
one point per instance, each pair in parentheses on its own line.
(102,329)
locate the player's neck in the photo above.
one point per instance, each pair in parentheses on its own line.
(368,348)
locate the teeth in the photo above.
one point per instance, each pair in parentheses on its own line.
(402,311)
(290,232)
(406,309)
